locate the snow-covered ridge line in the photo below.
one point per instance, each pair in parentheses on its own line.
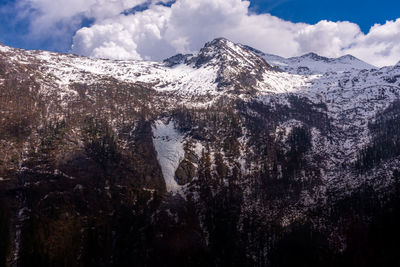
(187,78)
(315,77)
(312,63)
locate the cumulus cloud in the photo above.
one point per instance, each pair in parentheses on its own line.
(56,21)
(184,26)
(381,45)
(326,37)
(136,36)
(45,12)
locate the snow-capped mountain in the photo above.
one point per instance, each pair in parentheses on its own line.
(312,63)
(106,162)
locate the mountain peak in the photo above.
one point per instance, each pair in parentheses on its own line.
(217,51)
(211,50)
(237,67)
(314,56)
(348,56)
(219,44)
(219,41)
(221,51)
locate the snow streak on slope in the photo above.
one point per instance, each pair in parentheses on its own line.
(168,143)
(283,82)
(188,81)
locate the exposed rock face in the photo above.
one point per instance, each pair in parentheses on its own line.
(228,157)
(238,68)
(185,172)
(176,60)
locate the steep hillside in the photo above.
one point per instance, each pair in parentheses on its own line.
(227,157)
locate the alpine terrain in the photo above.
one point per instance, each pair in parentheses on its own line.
(226,157)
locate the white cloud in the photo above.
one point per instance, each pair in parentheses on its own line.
(138,36)
(326,37)
(57,10)
(161,31)
(59,18)
(119,47)
(381,45)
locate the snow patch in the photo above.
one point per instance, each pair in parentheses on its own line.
(4,49)
(198,149)
(168,143)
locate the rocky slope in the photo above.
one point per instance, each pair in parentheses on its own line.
(228,157)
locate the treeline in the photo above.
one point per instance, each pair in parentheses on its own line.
(385,143)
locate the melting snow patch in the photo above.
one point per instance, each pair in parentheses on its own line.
(4,49)
(168,143)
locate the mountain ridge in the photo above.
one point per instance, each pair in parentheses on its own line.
(313,56)
(216,157)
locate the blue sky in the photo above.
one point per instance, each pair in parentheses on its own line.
(116,29)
